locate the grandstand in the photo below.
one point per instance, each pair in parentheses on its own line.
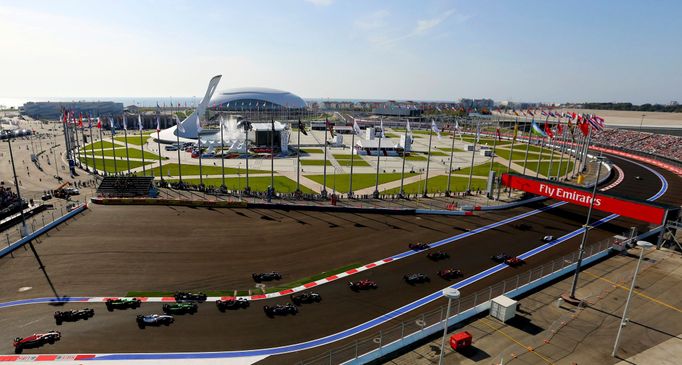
(126,186)
(656,144)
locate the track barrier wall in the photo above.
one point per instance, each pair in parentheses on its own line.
(408,332)
(42,230)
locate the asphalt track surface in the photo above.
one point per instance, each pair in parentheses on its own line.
(82,260)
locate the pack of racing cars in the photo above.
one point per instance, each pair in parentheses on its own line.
(73,315)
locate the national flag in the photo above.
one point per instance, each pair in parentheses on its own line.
(99,123)
(559,127)
(516,131)
(198,121)
(498,134)
(181,128)
(516,113)
(356,128)
(548,130)
(111,124)
(80,120)
(125,123)
(89,121)
(158,124)
(595,124)
(139,122)
(330,127)
(478,132)
(535,128)
(301,127)
(382,129)
(530,113)
(584,126)
(408,128)
(434,128)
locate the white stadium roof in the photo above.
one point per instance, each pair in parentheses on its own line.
(273,96)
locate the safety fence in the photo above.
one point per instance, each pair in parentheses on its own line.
(387,340)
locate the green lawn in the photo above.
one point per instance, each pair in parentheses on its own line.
(450,149)
(132,153)
(544,167)
(522,147)
(360,181)
(414,131)
(439,153)
(207,169)
(482,169)
(486,141)
(121,165)
(257,183)
(339,156)
(356,162)
(312,150)
(133,138)
(314,163)
(415,157)
(392,135)
(520,155)
(438,184)
(99,145)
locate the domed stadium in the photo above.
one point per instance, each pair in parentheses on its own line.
(255,99)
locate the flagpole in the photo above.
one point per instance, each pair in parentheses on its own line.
(298,157)
(452,152)
(542,148)
(568,155)
(247,126)
(473,155)
(352,156)
(428,163)
(376,186)
(222,152)
(139,128)
(113,145)
(158,143)
(101,144)
(561,153)
(125,134)
(402,172)
(272,155)
(75,134)
(177,138)
(511,154)
(530,140)
(324,165)
(586,150)
(92,142)
(497,136)
(576,145)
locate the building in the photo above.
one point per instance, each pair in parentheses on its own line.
(397,112)
(254,100)
(53,110)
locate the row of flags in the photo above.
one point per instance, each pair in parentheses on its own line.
(69,117)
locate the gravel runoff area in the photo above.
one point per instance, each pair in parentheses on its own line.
(565,334)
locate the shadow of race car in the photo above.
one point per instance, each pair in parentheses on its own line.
(73,315)
(180,308)
(35,340)
(306,298)
(189,297)
(418,246)
(437,255)
(231,304)
(266,276)
(451,273)
(416,278)
(154,320)
(280,310)
(363,284)
(122,303)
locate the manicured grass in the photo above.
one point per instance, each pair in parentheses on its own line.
(207,168)
(486,141)
(133,138)
(356,162)
(257,183)
(439,153)
(108,164)
(482,169)
(339,156)
(312,150)
(98,145)
(414,131)
(314,163)
(450,149)
(544,167)
(532,148)
(415,157)
(438,184)
(132,153)
(360,181)
(392,135)
(520,155)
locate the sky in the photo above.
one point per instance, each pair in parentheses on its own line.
(520,50)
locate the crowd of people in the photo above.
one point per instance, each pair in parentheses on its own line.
(8,200)
(657,144)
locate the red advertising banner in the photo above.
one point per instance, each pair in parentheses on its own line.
(607,203)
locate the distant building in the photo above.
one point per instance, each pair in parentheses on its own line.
(397,112)
(53,110)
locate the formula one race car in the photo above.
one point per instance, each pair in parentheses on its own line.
(180,308)
(35,340)
(514,261)
(280,310)
(154,320)
(231,304)
(266,276)
(438,255)
(73,315)
(416,278)
(122,303)
(306,298)
(449,274)
(418,246)
(189,297)
(363,284)
(548,239)
(500,257)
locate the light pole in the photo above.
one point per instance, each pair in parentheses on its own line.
(581,251)
(643,245)
(450,293)
(641,122)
